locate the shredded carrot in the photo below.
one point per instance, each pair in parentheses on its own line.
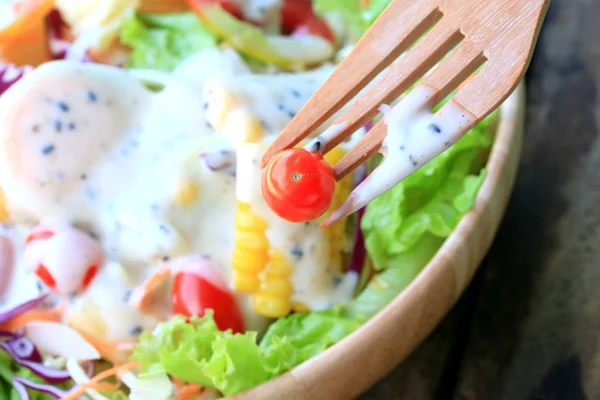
(95,381)
(52,315)
(187,392)
(110,350)
(142,295)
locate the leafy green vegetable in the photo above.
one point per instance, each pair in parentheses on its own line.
(357,17)
(307,334)
(163,41)
(198,352)
(386,285)
(431,200)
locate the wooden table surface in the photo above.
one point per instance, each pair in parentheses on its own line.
(528,327)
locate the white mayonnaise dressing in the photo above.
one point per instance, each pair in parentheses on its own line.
(7,12)
(91,144)
(415,135)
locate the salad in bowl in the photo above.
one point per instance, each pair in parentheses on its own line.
(138,256)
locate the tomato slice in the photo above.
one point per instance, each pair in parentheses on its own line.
(298,17)
(298,185)
(193,294)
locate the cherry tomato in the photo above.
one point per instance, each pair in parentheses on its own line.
(193,294)
(298,17)
(298,185)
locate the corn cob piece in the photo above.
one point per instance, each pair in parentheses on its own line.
(251,246)
(336,233)
(273,298)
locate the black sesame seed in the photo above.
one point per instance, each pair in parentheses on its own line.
(57,125)
(136,330)
(446,144)
(402,148)
(337,280)
(317,145)
(47,149)
(35,128)
(83,177)
(163,228)
(71,126)
(295,93)
(296,252)
(127,295)
(291,114)
(435,128)
(166,258)
(205,106)
(92,97)
(412,160)
(62,106)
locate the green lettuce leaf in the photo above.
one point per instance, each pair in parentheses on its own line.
(162,42)
(430,201)
(307,335)
(357,18)
(197,352)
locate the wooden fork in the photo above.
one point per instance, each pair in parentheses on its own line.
(469,33)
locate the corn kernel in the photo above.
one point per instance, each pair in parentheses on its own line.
(4,216)
(250,240)
(245,283)
(242,127)
(249,220)
(299,307)
(187,192)
(250,263)
(271,306)
(277,287)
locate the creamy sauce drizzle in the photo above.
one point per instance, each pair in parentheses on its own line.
(415,135)
(91,144)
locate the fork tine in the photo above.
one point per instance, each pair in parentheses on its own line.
(366,148)
(401,75)
(360,67)
(454,70)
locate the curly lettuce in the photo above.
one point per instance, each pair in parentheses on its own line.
(162,42)
(197,352)
(358,17)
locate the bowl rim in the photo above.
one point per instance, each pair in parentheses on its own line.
(501,168)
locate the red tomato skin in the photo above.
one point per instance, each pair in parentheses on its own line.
(193,295)
(45,276)
(299,18)
(298,185)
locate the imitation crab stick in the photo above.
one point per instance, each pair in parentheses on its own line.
(25,40)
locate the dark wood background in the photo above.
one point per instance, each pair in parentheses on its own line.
(528,327)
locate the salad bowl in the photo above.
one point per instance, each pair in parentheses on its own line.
(358,361)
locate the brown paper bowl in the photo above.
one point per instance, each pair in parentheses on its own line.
(350,367)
